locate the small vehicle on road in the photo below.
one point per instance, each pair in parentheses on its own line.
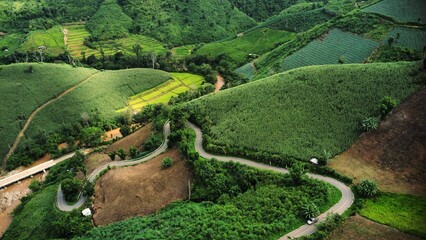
(312,221)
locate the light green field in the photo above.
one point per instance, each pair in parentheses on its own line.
(75,43)
(401,10)
(23,92)
(247,71)
(255,42)
(408,38)
(328,50)
(12,42)
(180,82)
(404,212)
(182,51)
(52,39)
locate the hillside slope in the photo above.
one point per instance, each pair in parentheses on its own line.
(301,113)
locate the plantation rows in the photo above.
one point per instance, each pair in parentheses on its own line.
(350,48)
(408,38)
(300,113)
(76,35)
(401,10)
(247,71)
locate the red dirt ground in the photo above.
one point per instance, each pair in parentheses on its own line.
(394,155)
(360,228)
(219,83)
(140,190)
(135,139)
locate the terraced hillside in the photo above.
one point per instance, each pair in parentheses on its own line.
(401,10)
(75,41)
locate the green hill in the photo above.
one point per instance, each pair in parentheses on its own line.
(303,112)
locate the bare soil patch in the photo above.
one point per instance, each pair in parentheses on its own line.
(219,83)
(135,139)
(110,135)
(357,227)
(95,160)
(140,190)
(394,155)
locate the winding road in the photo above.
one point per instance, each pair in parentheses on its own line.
(344,203)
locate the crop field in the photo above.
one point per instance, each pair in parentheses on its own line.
(302,112)
(77,33)
(182,51)
(180,82)
(12,42)
(336,44)
(75,43)
(401,10)
(52,39)
(255,42)
(247,70)
(408,38)
(22,92)
(107,91)
(403,212)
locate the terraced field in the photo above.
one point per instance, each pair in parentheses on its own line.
(180,82)
(182,51)
(401,10)
(408,38)
(336,44)
(52,39)
(75,42)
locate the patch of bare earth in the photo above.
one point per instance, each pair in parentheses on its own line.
(219,83)
(357,227)
(140,190)
(135,139)
(394,155)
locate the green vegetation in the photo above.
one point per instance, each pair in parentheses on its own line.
(248,70)
(23,91)
(75,43)
(400,10)
(71,188)
(367,188)
(182,51)
(300,113)
(180,83)
(404,212)
(167,162)
(10,43)
(109,22)
(247,46)
(235,202)
(52,39)
(177,23)
(330,48)
(107,92)
(407,38)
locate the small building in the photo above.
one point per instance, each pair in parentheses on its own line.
(314,161)
(86,212)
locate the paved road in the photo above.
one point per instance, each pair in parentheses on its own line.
(61,203)
(31,171)
(344,203)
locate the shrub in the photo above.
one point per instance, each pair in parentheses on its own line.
(367,188)
(369,123)
(133,152)
(387,104)
(310,210)
(121,153)
(125,130)
(112,155)
(71,187)
(167,162)
(35,186)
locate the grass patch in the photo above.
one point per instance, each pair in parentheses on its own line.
(336,44)
(302,112)
(400,10)
(12,42)
(182,51)
(404,212)
(52,39)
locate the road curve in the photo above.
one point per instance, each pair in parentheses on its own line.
(62,204)
(344,203)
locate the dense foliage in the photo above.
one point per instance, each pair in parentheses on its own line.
(300,113)
(400,10)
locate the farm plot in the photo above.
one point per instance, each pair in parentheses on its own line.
(401,10)
(52,39)
(182,51)
(22,92)
(248,70)
(180,82)
(75,42)
(107,91)
(10,43)
(348,47)
(255,42)
(407,38)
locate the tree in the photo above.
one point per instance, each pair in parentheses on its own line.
(137,49)
(342,60)
(390,41)
(125,130)
(88,188)
(71,187)
(153,56)
(367,188)
(167,162)
(297,172)
(310,210)
(85,117)
(133,152)
(66,225)
(112,155)
(121,153)
(91,136)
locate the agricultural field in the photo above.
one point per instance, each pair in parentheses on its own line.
(403,212)
(182,51)
(22,92)
(303,112)
(255,42)
(75,41)
(11,42)
(52,39)
(248,70)
(401,10)
(330,48)
(107,91)
(407,38)
(180,82)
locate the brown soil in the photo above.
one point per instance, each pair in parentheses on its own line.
(95,160)
(110,135)
(394,155)
(140,190)
(135,139)
(360,228)
(10,199)
(65,31)
(219,83)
